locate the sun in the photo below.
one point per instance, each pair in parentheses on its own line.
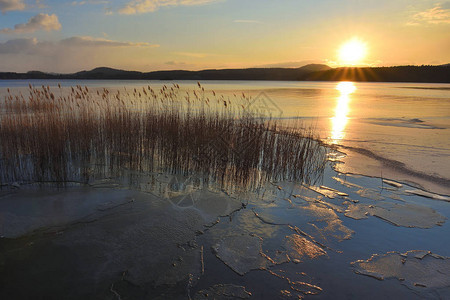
(352,52)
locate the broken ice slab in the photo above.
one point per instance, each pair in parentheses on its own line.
(347,183)
(327,191)
(428,195)
(318,219)
(370,194)
(392,183)
(242,253)
(299,248)
(404,215)
(415,268)
(342,194)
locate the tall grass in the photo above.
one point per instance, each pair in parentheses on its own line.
(79,135)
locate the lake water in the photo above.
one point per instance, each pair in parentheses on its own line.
(406,124)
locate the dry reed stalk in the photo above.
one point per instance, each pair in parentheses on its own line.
(82,135)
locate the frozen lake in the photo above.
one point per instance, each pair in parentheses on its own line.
(403,129)
(153,234)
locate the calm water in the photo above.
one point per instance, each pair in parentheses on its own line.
(405,122)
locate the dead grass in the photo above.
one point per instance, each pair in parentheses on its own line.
(79,135)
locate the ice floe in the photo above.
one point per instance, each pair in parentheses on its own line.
(416,269)
(404,215)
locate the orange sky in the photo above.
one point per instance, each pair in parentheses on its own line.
(145,35)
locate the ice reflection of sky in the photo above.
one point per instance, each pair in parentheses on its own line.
(340,119)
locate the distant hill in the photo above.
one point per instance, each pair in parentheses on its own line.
(318,72)
(224,74)
(106,73)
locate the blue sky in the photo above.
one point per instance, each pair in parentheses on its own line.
(145,35)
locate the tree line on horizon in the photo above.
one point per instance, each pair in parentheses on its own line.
(314,72)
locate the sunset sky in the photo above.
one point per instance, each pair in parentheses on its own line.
(146,35)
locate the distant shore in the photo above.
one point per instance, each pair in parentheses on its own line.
(313,72)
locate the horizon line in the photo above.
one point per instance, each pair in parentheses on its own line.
(220,69)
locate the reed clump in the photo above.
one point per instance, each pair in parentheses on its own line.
(78,134)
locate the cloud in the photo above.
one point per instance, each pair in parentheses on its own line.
(79,3)
(246,21)
(9,5)
(87,41)
(32,45)
(18,46)
(38,22)
(439,14)
(145,6)
(73,54)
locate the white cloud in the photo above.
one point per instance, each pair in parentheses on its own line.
(439,14)
(144,6)
(8,5)
(38,22)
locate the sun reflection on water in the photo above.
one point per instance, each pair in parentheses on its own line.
(340,119)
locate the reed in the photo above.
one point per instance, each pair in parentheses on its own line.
(79,135)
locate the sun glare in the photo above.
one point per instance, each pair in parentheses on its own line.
(346,88)
(352,52)
(342,110)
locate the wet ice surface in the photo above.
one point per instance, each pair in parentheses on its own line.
(418,270)
(398,214)
(242,253)
(22,211)
(173,238)
(428,195)
(360,161)
(223,292)
(401,122)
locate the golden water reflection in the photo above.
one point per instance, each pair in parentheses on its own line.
(341,112)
